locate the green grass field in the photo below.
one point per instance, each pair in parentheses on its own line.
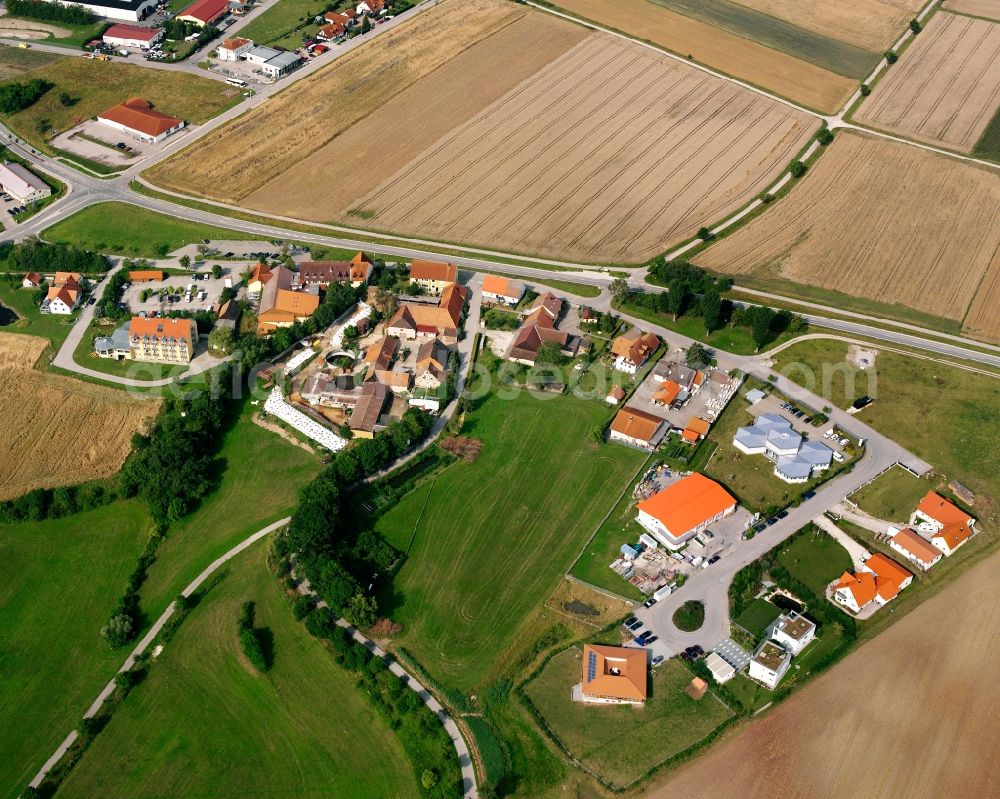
(892,496)
(496,535)
(756,618)
(16,61)
(54,327)
(96,86)
(621,742)
(947,416)
(205,723)
(814,559)
(281,18)
(260,479)
(129,230)
(59,581)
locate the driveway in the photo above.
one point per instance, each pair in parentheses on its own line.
(857,552)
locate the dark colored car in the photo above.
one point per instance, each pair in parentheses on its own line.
(715,558)
(657,660)
(772,520)
(808,495)
(782,515)
(630,621)
(650,640)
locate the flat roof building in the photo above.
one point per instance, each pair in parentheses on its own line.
(21,183)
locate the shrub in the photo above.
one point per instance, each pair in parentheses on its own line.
(118,631)
(16,97)
(798,169)
(865,89)
(250,639)
(891,57)
(302,607)
(825,136)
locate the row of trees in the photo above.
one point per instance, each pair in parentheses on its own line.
(51,12)
(32,255)
(55,503)
(336,560)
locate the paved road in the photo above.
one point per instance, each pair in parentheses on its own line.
(148,638)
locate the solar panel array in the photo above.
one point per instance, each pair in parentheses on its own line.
(591,666)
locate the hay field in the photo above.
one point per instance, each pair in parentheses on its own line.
(872,24)
(610,155)
(14,61)
(903,715)
(779,73)
(983,319)
(57,430)
(978,8)
(242,156)
(946,87)
(429,108)
(878,220)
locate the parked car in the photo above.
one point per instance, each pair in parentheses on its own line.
(772,520)
(808,495)
(650,640)
(657,660)
(838,457)
(782,515)
(630,621)
(641,639)
(649,602)
(715,558)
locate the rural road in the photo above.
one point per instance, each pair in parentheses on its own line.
(464,758)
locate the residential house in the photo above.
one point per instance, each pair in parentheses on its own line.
(370,7)
(432,276)
(502,291)
(136,37)
(879,580)
(368,410)
(667,395)
(331,31)
(633,349)
(915,549)
(637,428)
(259,277)
(323,273)
(432,365)
(281,305)
(204,12)
(160,340)
(416,320)
(117,346)
(795,460)
(697,428)
(234,49)
(769,664)
(793,631)
(947,525)
(62,298)
(62,278)
(145,275)
(380,354)
(22,184)
(615,395)
(361,269)
(397,380)
(613,675)
(683,509)
(345,18)
(136,118)
(32,280)
(539,328)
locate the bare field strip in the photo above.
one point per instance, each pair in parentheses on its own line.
(978,8)
(779,73)
(923,686)
(318,186)
(871,24)
(879,220)
(611,154)
(983,319)
(15,61)
(240,157)
(946,87)
(57,430)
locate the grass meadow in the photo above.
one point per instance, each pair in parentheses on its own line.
(59,581)
(206,723)
(492,539)
(892,496)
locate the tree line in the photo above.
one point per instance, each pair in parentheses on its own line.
(17,96)
(51,12)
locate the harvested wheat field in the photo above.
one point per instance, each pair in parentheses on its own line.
(782,74)
(241,157)
(983,319)
(978,8)
(872,24)
(911,713)
(609,155)
(880,220)
(945,88)
(57,430)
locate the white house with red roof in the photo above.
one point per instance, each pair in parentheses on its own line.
(136,37)
(234,49)
(944,523)
(137,118)
(371,7)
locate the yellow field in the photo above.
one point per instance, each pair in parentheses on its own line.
(983,319)
(907,714)
(57,430)
(879,220)
(785,75)
(978,8)
(871,24)
(945,88)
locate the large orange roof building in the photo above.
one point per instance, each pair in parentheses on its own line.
(683,509)
(880,581)
(613,674)
(137,118)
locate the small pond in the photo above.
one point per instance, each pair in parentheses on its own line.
(7,316)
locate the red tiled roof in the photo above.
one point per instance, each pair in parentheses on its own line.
(136,32)
(138,114)
(205,10)
(688,503)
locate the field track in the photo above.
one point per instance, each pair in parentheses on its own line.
(610,154)
(945,88)
(58,430)
(879,220)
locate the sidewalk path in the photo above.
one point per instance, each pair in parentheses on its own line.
(857,552)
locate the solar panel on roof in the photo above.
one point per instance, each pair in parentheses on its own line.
(591,666)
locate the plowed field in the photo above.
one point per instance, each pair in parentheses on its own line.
(879,220)
(610,154)
(945,88)
(57,430)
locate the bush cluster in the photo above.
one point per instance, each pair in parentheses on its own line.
(16,96)
(250,638)
(55,503)
(51,12)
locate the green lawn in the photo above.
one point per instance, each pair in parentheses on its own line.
(751,478)
(689,616)
(893,496)
(619,528)
(129,230)
(281,19)
(947,416)
(260,479)
(54,327)
(59,581)
(751,695)
(622,742)
(815,559)
(756,618)
(96,86)
(497,535)
(205,723)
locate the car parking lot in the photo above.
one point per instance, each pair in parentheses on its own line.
(101,143)
(10,208)
(172,294)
